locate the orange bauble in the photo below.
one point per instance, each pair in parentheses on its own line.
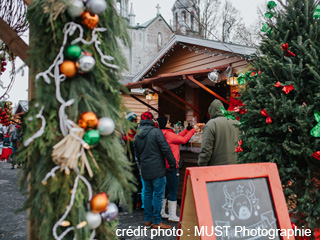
(88,120)
(90,20)
(99,203)
(68,68)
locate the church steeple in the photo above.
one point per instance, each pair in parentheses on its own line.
(185,15)
(132,16)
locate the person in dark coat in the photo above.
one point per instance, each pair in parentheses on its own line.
(219,139)
(151,149)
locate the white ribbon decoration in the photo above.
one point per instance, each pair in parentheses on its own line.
(41,130)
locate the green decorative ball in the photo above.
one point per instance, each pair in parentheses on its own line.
(72,52)
(92,137)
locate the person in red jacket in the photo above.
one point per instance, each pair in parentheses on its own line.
(174,140)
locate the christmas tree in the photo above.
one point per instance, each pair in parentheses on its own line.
(281,99)
(76,165)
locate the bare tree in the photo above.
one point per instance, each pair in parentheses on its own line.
(209,17)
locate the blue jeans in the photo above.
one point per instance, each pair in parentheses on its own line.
(153,188)
(172,184)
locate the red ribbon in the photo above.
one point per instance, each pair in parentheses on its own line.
(285,48)
(265,113)
(316,155)
(286,89)
(239,149)
(278,84)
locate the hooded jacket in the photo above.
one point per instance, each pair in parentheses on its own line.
(174,140)
(219,138)
(151,149)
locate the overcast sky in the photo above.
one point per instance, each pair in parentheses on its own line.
(144,11)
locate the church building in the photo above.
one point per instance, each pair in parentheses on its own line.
(150,37)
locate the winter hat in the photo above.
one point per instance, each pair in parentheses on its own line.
(130,116)
(147,116)
(162,122)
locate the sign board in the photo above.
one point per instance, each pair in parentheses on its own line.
(234,202)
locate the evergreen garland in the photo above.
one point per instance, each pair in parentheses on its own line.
(97,91)
(287,140)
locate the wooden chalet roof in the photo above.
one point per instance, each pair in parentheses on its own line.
(189,54)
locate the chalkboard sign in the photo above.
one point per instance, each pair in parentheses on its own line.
(234,202)
(244,206)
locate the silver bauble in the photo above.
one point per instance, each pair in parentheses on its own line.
(76,8)
(213,76)
(106,126)
(85,63)
(111,213)
(96,6)
(93,220)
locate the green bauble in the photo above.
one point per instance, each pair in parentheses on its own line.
(72,52)
(91,137)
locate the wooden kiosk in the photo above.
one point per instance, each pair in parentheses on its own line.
(179,76)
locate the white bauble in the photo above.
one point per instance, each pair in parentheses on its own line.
(96,6)
(93,219)
(76,8)
(106,126)
(85,63)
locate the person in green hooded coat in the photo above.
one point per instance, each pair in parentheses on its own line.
(219,139)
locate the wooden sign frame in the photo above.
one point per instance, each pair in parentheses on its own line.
(195,205)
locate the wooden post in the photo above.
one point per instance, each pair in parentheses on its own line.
(190,77)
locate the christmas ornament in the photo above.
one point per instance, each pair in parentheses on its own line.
(75,8)
(239,149)
(266,28)
(93,219)
(91,137)
(265,113)
(72,52)
(3,64)
(271,4)
(111,213)
(287,88)
(316,155)
(285,48)
(99,203)
(241,79)
(68,68)
(85,63)
(227,114)
(89,20)
(316,13)
(88,120)
(269,14)
(315,132)
(106,126)
(278,84)
(213,76)
(96,6)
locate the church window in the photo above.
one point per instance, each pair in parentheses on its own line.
(159,40)
(192,22)
(184,17)
(177,21)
